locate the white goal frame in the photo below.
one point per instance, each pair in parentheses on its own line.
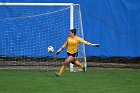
(56,4)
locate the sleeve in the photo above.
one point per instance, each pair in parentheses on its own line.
(65,44)
(83,41)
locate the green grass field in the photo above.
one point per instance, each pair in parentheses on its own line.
(94,81)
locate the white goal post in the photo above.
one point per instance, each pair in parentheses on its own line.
(75,21)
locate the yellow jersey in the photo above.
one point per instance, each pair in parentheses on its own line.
(72,44)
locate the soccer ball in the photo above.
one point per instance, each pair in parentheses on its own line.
(50,49)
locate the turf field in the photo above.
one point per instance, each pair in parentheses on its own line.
(94,81)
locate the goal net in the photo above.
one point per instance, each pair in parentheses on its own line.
(27,29)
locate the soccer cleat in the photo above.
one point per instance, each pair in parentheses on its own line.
(57,74)
(84,69)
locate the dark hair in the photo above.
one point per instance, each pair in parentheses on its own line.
(73,31)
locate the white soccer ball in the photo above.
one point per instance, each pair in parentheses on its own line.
(50,49)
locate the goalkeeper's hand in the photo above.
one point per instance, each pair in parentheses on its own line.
(95,45)
(58,51)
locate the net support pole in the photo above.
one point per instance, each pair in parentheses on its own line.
(71,27)
(85,61)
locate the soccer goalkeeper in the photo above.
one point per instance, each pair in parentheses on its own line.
(72,44)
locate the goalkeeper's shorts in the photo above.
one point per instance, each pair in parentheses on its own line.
(74,55)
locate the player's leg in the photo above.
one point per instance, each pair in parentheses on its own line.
(80,65)
(77,63)
(65,64)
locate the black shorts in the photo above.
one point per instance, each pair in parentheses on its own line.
(74,55)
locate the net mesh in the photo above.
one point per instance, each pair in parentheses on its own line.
(27,31)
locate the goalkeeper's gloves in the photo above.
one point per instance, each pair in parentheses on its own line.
(95,45)
(58,51)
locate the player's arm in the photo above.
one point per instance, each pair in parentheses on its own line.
(61,48)
(88,43)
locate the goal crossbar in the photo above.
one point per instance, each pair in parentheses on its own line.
(37,4)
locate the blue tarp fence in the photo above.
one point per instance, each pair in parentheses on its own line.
(114,24)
